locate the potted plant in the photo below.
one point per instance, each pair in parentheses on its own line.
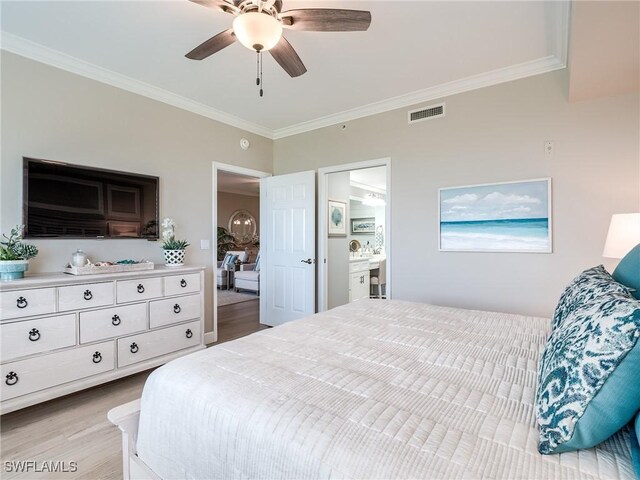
(173,249)
(226,242)
(15,255)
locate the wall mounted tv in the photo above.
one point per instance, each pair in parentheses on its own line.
(72,201)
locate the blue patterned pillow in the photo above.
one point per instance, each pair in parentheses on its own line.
(588,384)
(583,290)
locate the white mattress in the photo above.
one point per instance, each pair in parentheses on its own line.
(374,389)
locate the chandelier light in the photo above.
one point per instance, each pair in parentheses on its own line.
(374,200)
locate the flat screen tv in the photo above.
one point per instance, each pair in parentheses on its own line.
(72,201)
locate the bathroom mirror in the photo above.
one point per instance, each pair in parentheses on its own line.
(242,225)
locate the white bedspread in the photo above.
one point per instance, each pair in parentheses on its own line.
(374,389)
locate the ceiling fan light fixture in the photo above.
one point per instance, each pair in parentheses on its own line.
(257,31)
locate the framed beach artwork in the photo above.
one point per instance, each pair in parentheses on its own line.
(363,225)
(497,217)
(337,219)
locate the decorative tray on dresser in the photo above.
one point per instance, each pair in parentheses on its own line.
(61,333)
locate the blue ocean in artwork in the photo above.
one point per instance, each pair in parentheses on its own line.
(525,234)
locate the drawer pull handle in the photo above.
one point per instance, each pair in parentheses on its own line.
(134,348)
(88,295)
(22,302)
(183,283)
(12,378)
(97,357)
(189,333)
(115,320)
(140,288)
(176,308)
(34,335)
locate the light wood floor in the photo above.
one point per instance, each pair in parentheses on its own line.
(75,428)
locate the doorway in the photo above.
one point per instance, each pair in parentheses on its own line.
(353,233)
(236,230)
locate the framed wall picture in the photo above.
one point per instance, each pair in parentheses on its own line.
(363,225)
(337,219)
(497,217)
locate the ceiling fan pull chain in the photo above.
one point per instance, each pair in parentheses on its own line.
(261,79)
(258,68)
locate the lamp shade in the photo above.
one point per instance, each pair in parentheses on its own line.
(624,234)
(257,31)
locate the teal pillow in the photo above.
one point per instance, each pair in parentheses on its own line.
(588,386)
(628,271)
(635,446)
(582,290)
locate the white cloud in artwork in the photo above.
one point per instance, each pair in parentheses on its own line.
(497,198)
(465,198)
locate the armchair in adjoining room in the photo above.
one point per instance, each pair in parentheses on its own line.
(248,278)
(222,272)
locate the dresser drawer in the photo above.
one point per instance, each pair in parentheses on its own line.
(89,295)
(24,303)
(360,266)
(112,322)
(38,373)
(173,310)
(142,289)
(144,346)
(181,284)
(28,337)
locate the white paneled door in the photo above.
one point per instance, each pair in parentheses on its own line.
(287,247)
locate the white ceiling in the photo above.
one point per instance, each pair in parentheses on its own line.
(240,184)
(413,51)
(375,177)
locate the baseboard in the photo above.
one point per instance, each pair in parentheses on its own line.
(210,337)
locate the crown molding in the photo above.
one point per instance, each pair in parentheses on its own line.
(364,186)
(34,51)
(558,21)
(494,77)
(558,14)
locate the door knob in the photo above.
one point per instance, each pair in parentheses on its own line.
(308,261)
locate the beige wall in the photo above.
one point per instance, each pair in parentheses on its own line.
(493,135)
(49,113)
(489,135)
(338,188)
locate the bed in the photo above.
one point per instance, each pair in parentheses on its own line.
(373,389)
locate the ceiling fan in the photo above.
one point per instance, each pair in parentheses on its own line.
(259,25)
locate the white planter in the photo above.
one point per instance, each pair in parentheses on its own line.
(174,258)
(13,269)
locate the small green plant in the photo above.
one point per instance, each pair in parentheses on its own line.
(169,236)
(226,242)
(12,247)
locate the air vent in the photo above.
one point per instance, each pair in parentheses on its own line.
(426,113)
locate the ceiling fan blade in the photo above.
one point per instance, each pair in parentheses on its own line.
(213,45)
(220,5)
(288,59)
(327,20)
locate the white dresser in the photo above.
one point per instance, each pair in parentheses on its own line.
(61,333)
